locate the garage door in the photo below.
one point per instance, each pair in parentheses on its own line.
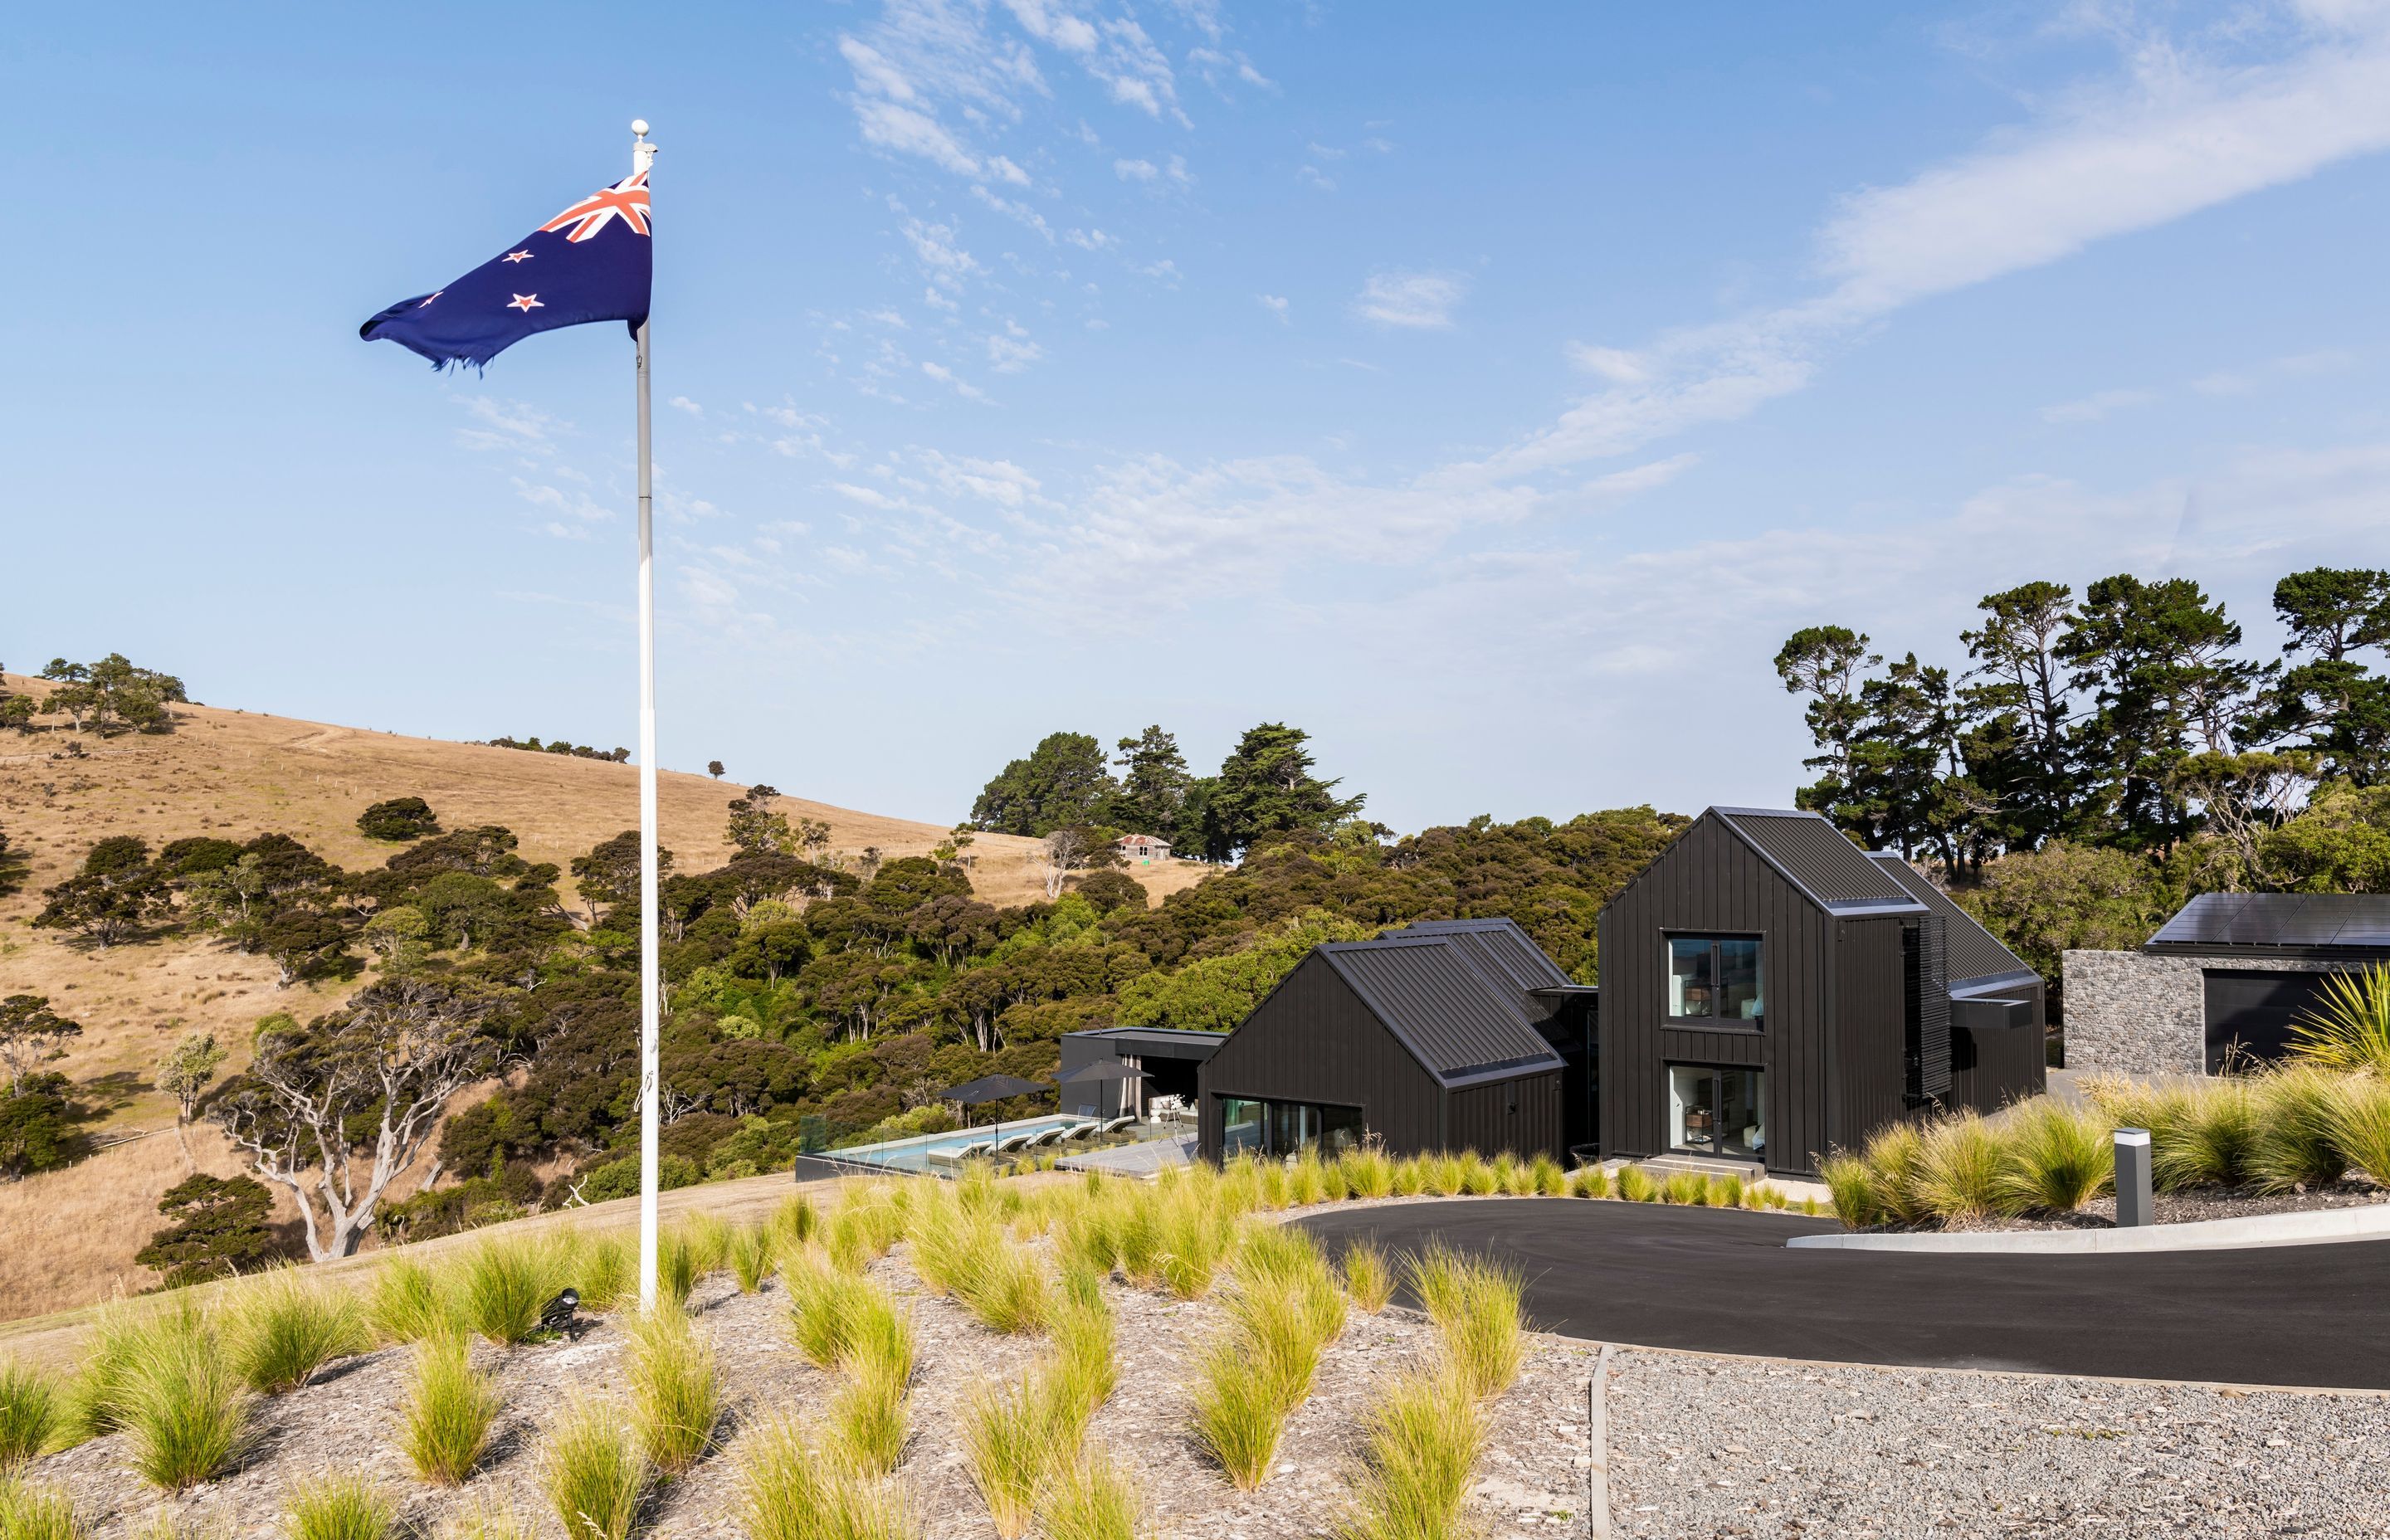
(2250,1012)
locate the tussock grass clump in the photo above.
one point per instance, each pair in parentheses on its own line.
(1852,1186)
(500,1289)
(676,1389)
(1474,1303)
(492,1517)
(751,1257)
(31,1412)
(2295,1145)
(1636,1185)
(1419,1443)
(789,1491)
(28,1512)
(820,1299)
(1306,1181)
(184,1405)
(408,1302)
(592,1472)
(1688,1188)
(870,1416)
(1285,1309)
(1013,1441)
(1726,1192)
(1894,1158)
(2209,1141)
(341,1508)
(1447,1174)
(1545,1177)
(1237,1414)
(1589,1182)
(2063,1157)
(606,1270)
(1411,1177)
(708,1236)
(283,1326)
(2360,1127)
(1964,1170)
(1369,1280)
(1089,1498)
(793,1223)
(966,1252)
(1478,1178)
(95,1398)
(676,1269)
(1082,1371)
(1369,1174)
(449,1408)
(1511,1175)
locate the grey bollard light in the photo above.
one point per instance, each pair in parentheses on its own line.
(2135,1206)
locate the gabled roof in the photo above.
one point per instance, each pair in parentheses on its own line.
(1499,947)
(1974,952)
(1457,1016)
(1812,854)
(2279,924)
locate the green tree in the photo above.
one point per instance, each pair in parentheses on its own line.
(1217,994)
(1265,788)
(399,819)
(1825,664)
(1064,781)
(30,1033)
(1153,784)
(37,1126)
(113,695)
(608,875)
(2334,702)
(217,1227)
(185,1073)
(111,898)
(399,938)
(754,828)
(2024,718)
(2340,843)
(2043,903)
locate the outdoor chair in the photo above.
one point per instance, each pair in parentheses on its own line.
(1082,1131)
(1117,1125)
(1044,1136)
(1012,1142)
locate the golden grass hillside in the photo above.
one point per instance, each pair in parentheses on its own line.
(237,774)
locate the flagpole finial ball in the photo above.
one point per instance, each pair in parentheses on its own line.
(639,127)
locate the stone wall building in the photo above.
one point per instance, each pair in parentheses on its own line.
(2227,980)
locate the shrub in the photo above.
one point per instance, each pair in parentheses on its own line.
(1635,1185)
(2295,1145)
(1965,1172)
(28,1512)
(30,1413)
(399,818)
(217,1227)
(1367,1279)
(285,1327)
(341,1508)
(97,1394)
(1237,1414)
(675,1391)
(606,1269)
(1479,1178)
(1726,1192)
(500,1289)
(449,1409)
(819,1296)
(1512,1177)
(1090,1499)
(2348,1029)
(676,1269)
(37,1126)
(793,1223)
(708,1236)
(592,1473)
(1853,1187)
(1475,1304)
(1082,1373)
(1012,1440)
(1411,1177)
(2360,1128)
(620,1178)
(1445,1174)
(2061,1156)
(184,1405)
(1589,1182)
(408,1303)
(1419,1444)
(789,1491)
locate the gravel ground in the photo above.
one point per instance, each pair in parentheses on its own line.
(1714,1447)
(2192,1204)
(1531,1483)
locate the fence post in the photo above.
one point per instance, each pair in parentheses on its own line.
(1597,1505)
(2135,1205)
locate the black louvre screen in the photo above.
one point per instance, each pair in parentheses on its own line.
(1926,988)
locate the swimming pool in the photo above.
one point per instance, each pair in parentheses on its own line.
(914,1154)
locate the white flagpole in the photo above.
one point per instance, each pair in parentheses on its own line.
(643,155)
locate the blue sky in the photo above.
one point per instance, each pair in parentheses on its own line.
(1487,389)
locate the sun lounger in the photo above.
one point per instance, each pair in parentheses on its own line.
(1012,1142)
(1044,1136)
(1082,1131)
(1118,1123)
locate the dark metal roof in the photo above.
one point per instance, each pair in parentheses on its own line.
(1155,1042)
(1462,1022)
(2279,924)
(1499,946)
(1974,952)
(1812,854)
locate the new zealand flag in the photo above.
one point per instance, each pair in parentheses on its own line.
(591,263)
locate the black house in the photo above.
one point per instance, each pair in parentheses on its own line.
(1771,993)
(1453,1035)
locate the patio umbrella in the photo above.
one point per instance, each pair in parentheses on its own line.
(971,1093)
(1104,1070)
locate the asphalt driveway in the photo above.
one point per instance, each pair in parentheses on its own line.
(1722,1281)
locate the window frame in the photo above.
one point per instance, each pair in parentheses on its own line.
(1715,1072)
(1668,940)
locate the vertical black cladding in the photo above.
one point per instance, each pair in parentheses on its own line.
(1925,992)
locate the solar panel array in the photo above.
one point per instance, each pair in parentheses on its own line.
(2288,921)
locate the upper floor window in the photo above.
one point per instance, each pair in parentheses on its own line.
(1713,978)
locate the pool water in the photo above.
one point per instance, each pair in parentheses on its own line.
(913,1154)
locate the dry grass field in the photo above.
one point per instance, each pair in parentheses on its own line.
(67,1236)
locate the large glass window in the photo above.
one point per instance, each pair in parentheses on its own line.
(1288,1127)
(1716,1111)
(1715,978)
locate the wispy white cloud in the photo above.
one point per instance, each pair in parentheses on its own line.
(1135,170)
(1413,300)
(947,377)
(2096,406)
(1277,304)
